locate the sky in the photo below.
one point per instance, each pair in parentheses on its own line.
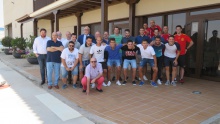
(1,14)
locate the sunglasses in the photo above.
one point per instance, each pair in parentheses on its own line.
(93,61)
(71,45)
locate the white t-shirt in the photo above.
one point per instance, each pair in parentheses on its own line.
(98,52)
(69,57)
(147,53)
(64,42)
(170,51)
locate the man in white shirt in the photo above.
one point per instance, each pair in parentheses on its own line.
(148,56)
(97,51)
(63,40)
(69,59)
(68,39)
(74,39)
(40,50)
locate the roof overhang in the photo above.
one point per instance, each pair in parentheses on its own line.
(23,18)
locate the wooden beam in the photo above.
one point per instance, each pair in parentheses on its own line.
(35,27)
(104,16)
(78,16)
(21,29)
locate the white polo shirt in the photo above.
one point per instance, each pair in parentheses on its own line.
(147,53)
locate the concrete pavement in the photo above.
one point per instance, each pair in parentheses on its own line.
(25,103)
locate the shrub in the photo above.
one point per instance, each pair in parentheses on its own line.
(19,43)
(6,41)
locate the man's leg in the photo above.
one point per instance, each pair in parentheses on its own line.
(168,73)
(125,67)
(75,76)
(42,68)
(142,64)
(181,63)
(159,66)
(49,73)
(45,65)
(99,81)
(56,74)
(173,75)
(134,68)
(64,73)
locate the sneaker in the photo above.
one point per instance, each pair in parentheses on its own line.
(93,85)
(134,83)
(99,90)
(74,86)
(173,83)
(118,83)
(84,91)
(138,79)
(175,80)
(57,87)
(141,83)
(124,82)
(113,78)
(167,83)
(103,84)
(120,79)
(159,82)
(64,86)
(49,87)
(109,83)
(153,84)
(80,86)
(145,78)
(181,81)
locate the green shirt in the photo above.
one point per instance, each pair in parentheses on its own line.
(118,38)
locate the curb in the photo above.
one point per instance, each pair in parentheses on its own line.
(92,117)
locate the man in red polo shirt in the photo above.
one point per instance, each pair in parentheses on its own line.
(165,33)
(146,29)
(182,39)
(152,27)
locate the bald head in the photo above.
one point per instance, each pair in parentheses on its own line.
(97,34)
(152,23)
(68,35)
(54,36)
(59,34)
(93,62)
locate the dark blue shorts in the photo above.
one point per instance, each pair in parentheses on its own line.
(169,61)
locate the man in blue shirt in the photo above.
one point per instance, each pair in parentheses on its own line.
(113,58)
(82,38)
(54,49)
(158,48)
(127,37)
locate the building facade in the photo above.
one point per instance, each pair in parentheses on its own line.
(200,18)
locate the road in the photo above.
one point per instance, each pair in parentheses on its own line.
(25,103)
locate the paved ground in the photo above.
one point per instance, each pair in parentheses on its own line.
(24,103)
(134,104)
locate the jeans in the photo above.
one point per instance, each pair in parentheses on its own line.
(64,72)
(53,66)
(42,62)
(127,62)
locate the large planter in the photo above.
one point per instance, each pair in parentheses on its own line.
(17,55)
(32,60)
(7,51)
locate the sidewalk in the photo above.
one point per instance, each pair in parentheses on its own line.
(134,104)
(24,103)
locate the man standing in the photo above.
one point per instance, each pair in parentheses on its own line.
(116,35)
(40,51)
(165,33)
(130,51)
(69,59)
(74,39)
(152,27)
(97,51)
(182,39)
(171,54)
(68,39)
(82,38)
(148,56)
(106,37)
(158,48)
(97,34)
(54,49)
(62,40)
(146,29)
(84,56)
(127,37)
(113,59)
(93,75)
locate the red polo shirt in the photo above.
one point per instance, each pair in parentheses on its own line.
(165,36)
(151,30)
(182,39)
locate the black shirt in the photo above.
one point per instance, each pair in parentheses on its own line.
(54,56)
(130,53)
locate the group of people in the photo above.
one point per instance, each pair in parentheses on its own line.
(95,59)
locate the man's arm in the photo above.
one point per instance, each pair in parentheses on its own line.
(80,59)
(60,48)
(64,64)
(35,48)
(88,85)
(75,63)
(51,49)
(155,60)
(190,45)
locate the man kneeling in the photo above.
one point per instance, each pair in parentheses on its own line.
(93,74)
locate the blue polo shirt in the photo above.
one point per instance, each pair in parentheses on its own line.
(54,56)
(125,39)
(159,50)
(161,39)
(113,54)
(139,39)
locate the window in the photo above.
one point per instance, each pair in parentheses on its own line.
(157,19)
(121,24)
(174,20)
(205,11)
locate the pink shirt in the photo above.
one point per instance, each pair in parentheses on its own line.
(93,72)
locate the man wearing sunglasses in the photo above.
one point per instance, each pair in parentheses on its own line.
(93,74)
(69,58)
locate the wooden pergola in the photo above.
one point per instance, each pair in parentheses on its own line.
(77,8)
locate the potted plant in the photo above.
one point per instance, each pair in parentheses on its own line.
(18,45)
(6,41)
(31,58)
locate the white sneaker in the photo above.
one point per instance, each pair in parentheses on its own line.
(103,84)
(159,82)
(118,83)
(93,85)
(109,83)
(145,78)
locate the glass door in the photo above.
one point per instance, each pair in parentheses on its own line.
(211,49)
